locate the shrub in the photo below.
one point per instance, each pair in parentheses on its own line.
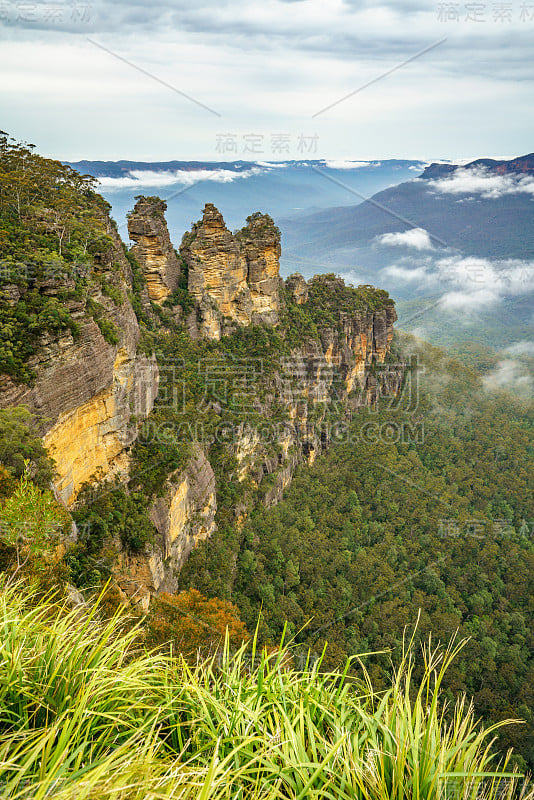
(20,443)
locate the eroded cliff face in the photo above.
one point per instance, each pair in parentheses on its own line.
(153,249)
(234,279)
(183,516)
(89,441)
(88,390)
(298,288)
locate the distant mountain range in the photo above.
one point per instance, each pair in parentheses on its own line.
(484,208)
(523,164)
(455,246)
(238,188)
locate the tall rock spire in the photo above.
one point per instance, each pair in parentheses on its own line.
(153,248)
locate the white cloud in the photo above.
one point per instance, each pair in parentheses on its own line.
(468,283)
(482,282)
(419,274)
(417,238)
(508,277)
(520,348)
(136,179)
(509,374)
(480,181)
(343,164)
(468,301)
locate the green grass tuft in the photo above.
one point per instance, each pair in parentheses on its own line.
(85,712)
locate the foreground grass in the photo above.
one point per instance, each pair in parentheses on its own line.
(83,715)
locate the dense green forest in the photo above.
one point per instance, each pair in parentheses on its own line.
(427,508)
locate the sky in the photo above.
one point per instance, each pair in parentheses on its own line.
(268,79)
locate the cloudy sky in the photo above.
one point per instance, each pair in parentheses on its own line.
(270,79)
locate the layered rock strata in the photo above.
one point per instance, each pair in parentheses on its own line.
(183,516)
(88,393)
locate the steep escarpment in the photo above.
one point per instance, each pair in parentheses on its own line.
(70,338)
(183,515)
(91,382)
(323,367)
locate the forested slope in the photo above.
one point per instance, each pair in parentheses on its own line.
(427,506)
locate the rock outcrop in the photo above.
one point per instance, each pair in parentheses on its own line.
(297,287)
(153,249)
(320,385)
(233,279)
(260,244)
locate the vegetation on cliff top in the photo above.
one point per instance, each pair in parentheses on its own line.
(330,302)
(52,225)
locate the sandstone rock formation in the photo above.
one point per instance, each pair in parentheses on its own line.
(153,249)
(234,279)
(324,377)
(260,244)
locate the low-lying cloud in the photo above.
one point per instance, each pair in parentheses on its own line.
(137,179)
(343,164)
(419,275)
(509,374)
(483,282)
(521,348)
(418,238)
(467,282)
(480,181)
